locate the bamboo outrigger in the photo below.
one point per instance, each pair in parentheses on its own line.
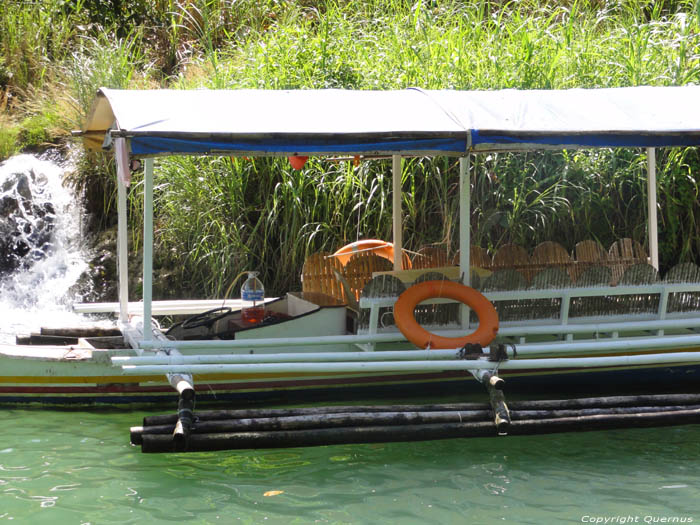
(307,348)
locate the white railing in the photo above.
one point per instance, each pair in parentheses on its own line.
(565,325)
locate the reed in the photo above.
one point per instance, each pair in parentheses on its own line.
(35,35)
(218,216)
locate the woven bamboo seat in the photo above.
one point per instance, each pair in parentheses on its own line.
(683,273)
(317,275)
(628,250)
(591,306)
(590,251)
(360,267)
(550,254)
(638,274)
(683,301)
(505,280)
(641,273)
(622,254)
(512,256)
(430,257)
(594,276)
(478,258)
(552,277)
(431,276)
(586,254)
(381,286)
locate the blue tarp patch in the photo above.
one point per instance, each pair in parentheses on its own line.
(593,140)
(156,145)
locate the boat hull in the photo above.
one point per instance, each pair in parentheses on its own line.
(143,391)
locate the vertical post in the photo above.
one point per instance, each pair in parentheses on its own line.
(651,197)
(396,211)
(147,248)
(122,253)
(464,230)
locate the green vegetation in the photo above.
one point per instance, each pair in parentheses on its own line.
(217,216)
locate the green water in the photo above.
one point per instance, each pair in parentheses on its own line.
(78,467)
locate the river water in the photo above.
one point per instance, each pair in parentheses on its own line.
(78,466)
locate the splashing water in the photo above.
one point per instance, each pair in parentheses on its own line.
(42,246)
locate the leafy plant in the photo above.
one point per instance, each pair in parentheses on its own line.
(217,216)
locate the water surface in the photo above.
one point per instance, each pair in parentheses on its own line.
(78,467)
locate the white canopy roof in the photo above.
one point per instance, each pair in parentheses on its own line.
(412,121)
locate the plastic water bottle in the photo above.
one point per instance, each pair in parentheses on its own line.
(252,300)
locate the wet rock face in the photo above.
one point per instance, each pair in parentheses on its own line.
(27,220)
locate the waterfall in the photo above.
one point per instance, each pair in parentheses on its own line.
(41,247)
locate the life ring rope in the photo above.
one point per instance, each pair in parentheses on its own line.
(406,320)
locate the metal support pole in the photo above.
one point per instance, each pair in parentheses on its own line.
(396,211)
(651,193)
(122,253)
(464,230)
(147,248)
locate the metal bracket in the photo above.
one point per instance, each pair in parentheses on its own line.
(471,352)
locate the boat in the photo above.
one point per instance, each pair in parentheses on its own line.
(359,325)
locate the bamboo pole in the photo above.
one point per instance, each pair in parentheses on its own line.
(318,437)
(413,432)
(302,422)
(608,401)
(248,413)
(576,403)
(349,419)
(605,422)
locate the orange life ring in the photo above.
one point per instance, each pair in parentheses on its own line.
(382,248)
(419,336)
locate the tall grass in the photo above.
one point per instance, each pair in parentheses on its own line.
(217,216)
(527,199)
(33,36)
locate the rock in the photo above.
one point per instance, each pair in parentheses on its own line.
(22,187)
(8,206)
(27,221)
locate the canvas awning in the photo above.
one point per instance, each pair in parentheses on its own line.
(409,122)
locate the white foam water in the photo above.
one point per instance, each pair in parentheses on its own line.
(39,295)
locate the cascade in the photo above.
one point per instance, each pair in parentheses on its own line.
(41,249)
